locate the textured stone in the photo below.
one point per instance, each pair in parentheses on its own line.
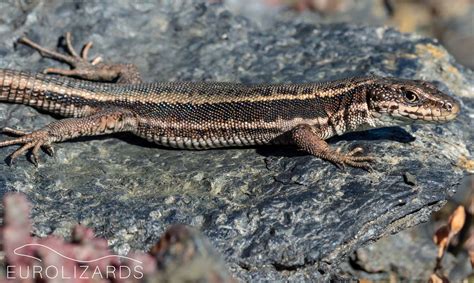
(274,213)
(411,255)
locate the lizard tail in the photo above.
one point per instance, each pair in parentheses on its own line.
(43,92)
(20,88)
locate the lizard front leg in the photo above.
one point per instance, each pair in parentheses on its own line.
(83,68)
(306,138)
(103,122)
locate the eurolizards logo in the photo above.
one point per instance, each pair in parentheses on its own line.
(61,266)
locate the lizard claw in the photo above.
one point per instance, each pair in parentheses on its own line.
(362,162)
(340,165)
(29,141)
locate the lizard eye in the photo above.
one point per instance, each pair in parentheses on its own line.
(410,96)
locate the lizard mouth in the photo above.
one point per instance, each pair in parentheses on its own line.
(422,119)
(423,114)
(420,116)
(429,114)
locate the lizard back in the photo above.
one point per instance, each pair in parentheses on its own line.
(196,115)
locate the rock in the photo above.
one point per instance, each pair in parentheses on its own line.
(184,255)
(449,21)
(274,213)
(409,179)
(409,255)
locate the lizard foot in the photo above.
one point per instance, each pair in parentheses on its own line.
(29,141)
(103,122)
(350,159)
(82,67)
(306,138)
(78,63)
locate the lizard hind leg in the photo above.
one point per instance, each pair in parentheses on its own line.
(103,122)
(82,67)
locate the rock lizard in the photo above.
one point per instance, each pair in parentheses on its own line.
(100,98)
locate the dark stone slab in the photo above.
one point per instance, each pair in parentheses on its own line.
(273,212)
(409,254)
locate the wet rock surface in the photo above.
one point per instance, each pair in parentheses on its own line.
(273,212)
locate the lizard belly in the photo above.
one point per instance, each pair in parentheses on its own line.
(207,135)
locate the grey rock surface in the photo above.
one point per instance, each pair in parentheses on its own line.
(273,212)
(409,254)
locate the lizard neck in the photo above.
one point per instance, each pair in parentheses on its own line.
(351,114)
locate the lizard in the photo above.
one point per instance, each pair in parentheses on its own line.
(98,98)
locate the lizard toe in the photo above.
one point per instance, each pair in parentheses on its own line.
(340,165)
(363,158)
(33,142)
(362,162)
(20,151)
(49,149)
(355,151)
(13,132)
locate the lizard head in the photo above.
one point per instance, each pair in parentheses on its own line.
(397,101)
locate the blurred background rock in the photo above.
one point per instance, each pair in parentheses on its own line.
(450,21)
